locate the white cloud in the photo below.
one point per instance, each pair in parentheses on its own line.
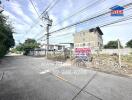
(13,18)
(54,18)
(70,3)
(65,13)
(32,10)
(18,24)
(16,8)
(9,14)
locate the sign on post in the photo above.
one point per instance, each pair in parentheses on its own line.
(82,53)
(117,11)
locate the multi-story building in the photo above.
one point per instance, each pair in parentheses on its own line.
(89,38)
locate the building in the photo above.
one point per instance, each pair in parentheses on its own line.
(69,45)
(89,38)
(53,47)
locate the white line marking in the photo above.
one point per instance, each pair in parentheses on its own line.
(44,72)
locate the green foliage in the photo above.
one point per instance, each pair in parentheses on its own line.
(6,36)
(19,47)
(129,44)
(29,44)
(112,45)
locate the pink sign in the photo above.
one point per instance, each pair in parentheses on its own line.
(82,51)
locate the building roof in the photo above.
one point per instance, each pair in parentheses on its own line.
(96,29)
(53,45)
(99,31)
(117,7)
(92,30)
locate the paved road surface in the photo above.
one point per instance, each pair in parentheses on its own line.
(30,78)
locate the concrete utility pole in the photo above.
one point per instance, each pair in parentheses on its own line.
(119,58)
(46,18)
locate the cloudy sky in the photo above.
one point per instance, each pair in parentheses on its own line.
(23,17)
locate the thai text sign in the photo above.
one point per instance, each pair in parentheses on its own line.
(82,53)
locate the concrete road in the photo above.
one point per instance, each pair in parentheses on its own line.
(30,78)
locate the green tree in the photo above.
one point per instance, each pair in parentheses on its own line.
(29,44)
(112,45)
(19,47)
(6,36)
(129,43)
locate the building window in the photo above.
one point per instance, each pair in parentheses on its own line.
(83,33)
(83,44)
(98,44)
(88,44)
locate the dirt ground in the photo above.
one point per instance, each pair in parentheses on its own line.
(102,62)
(108,64)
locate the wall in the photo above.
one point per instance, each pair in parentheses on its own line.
(125,51)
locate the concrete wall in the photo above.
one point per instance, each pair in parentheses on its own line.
(37,53)
(125,51)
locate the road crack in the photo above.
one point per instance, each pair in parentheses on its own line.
(86,86)
(2,76)
(81,89)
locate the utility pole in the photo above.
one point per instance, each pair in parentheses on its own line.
(119,54)
(46,18)
(47,37)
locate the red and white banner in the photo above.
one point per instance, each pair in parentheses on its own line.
(82,51)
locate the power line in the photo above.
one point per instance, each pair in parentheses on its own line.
(118,21)
(114,22)
(93,17)
(121,24)
(107,19)
(34,7)
(47,9)
(85,20)
(80,11)
(76,13)
(50,7)
(34,10)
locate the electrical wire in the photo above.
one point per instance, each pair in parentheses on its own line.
(85,20)
(85,15)
(46,9)
(118,21)
(34,7)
